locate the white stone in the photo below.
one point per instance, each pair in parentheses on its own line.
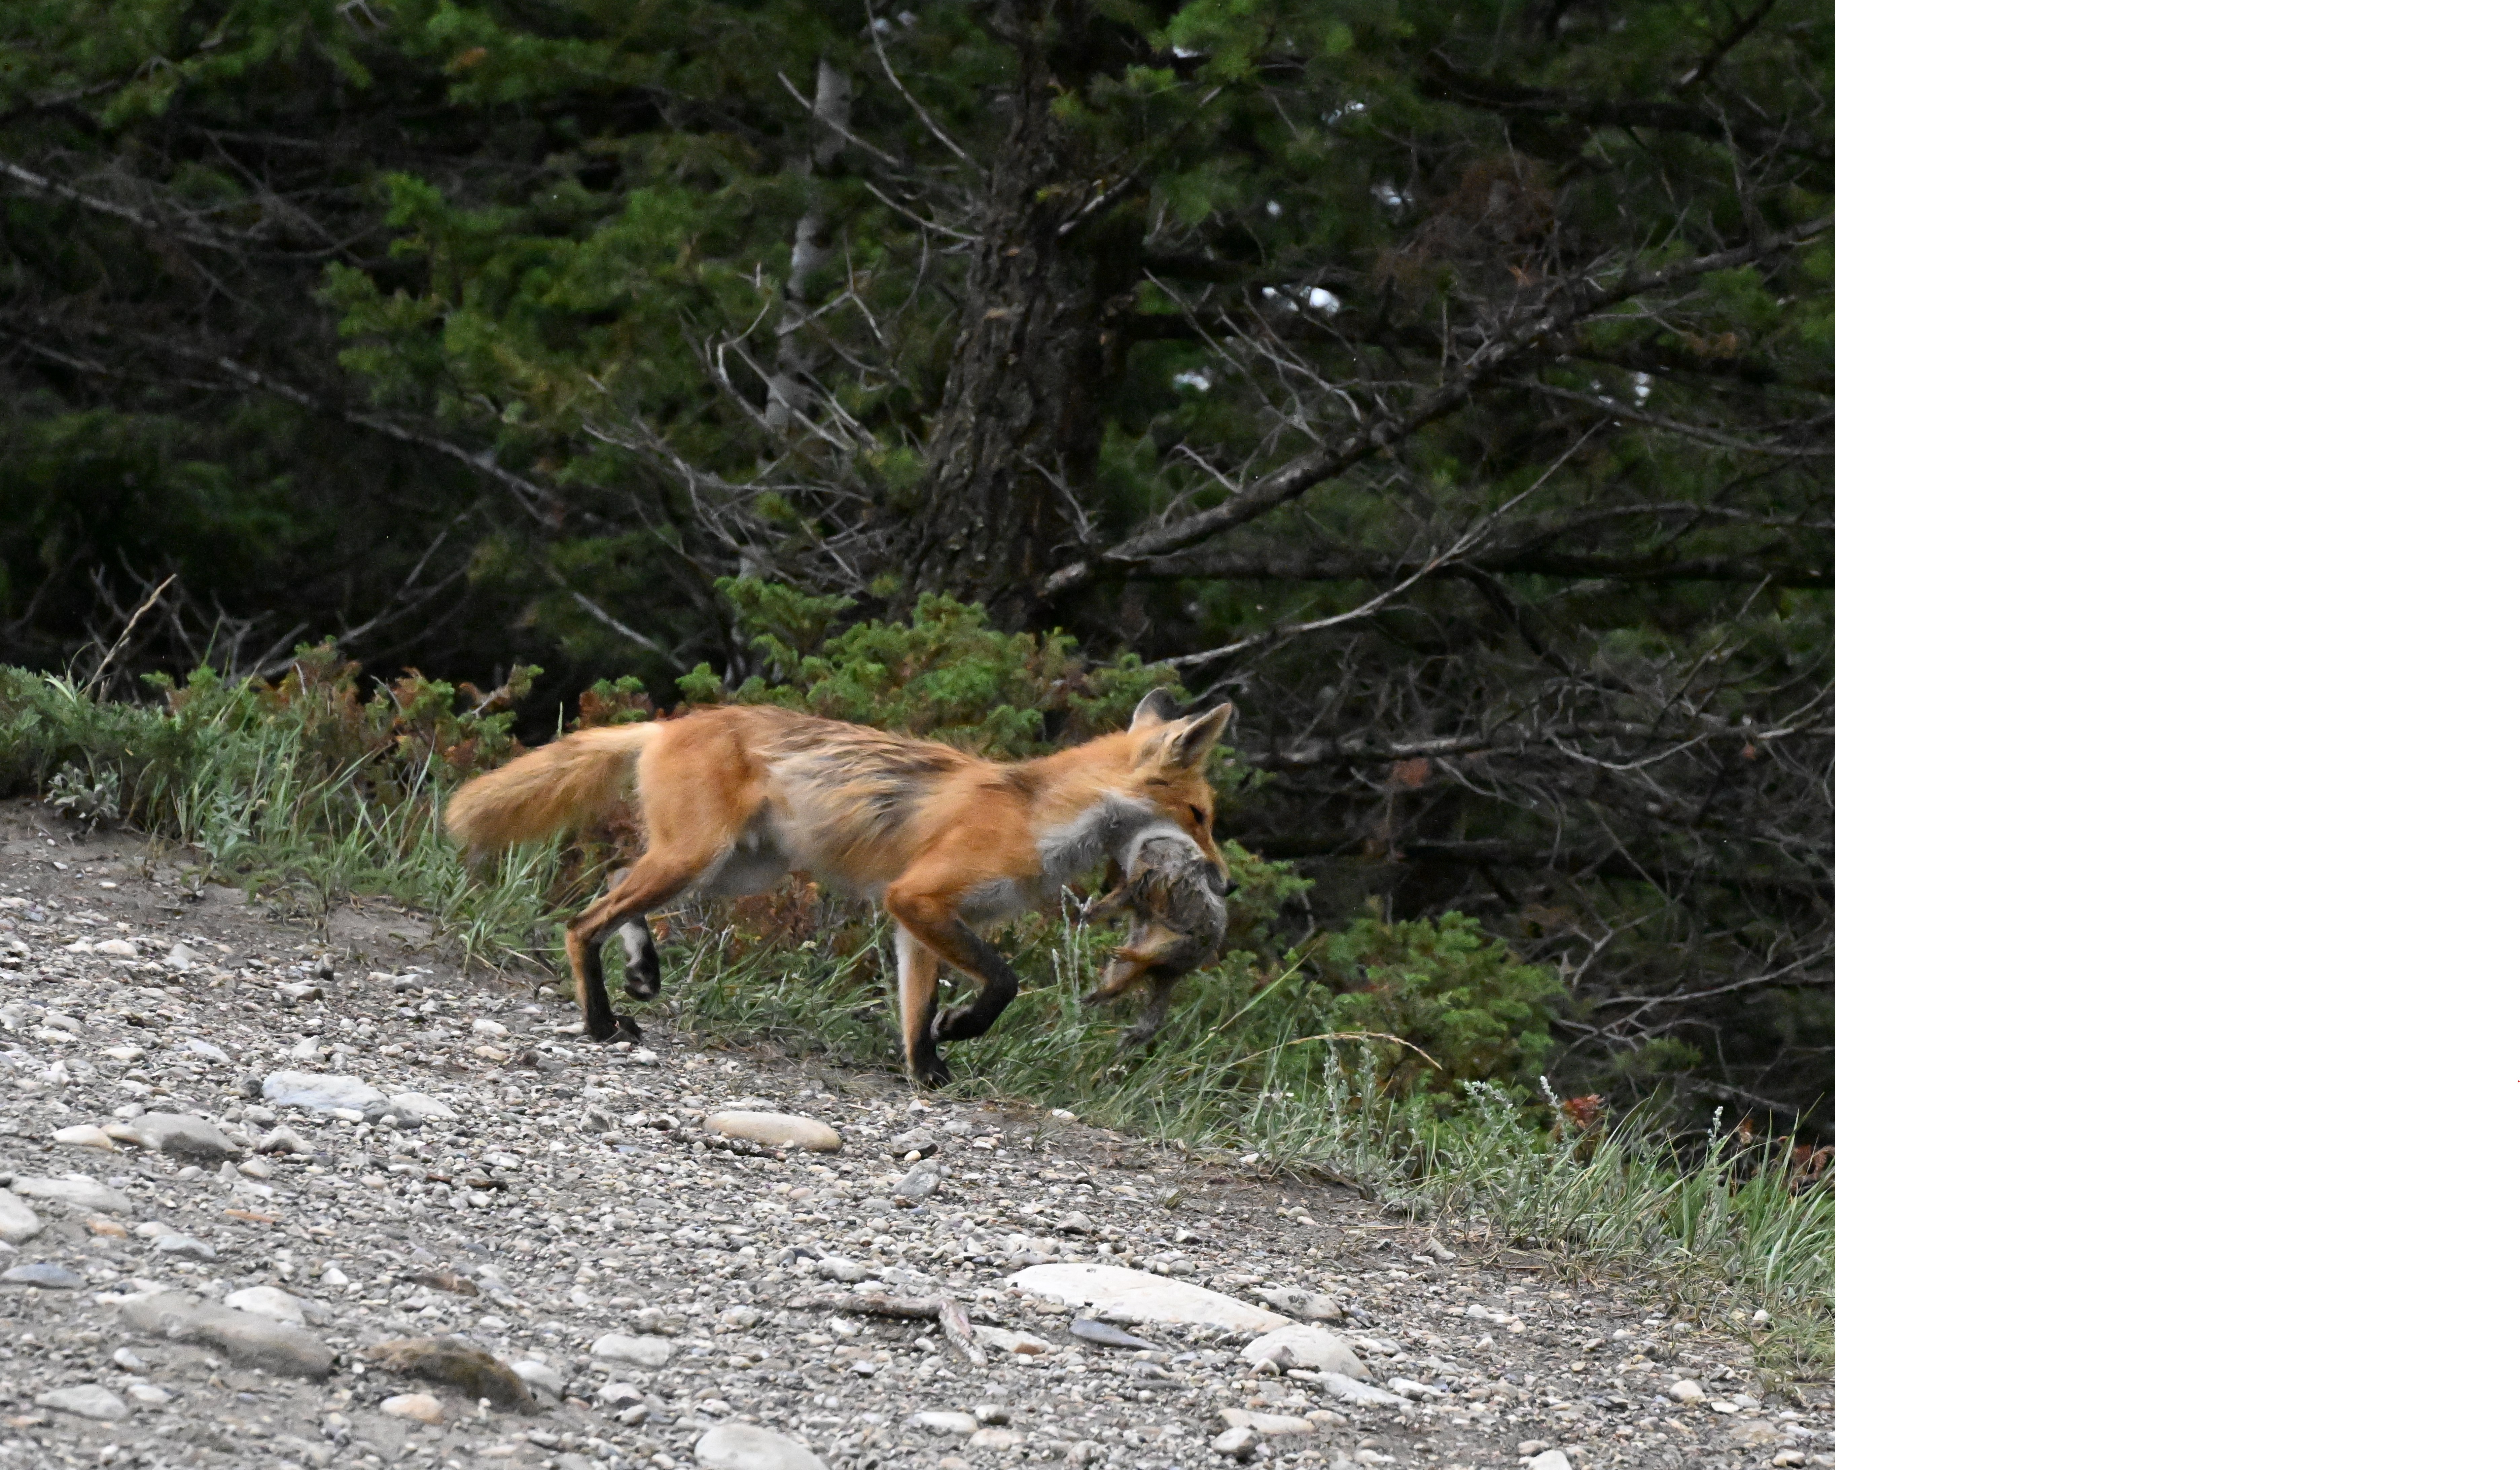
(1272,1425)
(419,1105)
(88,1401)
(1239,1442)
(1550,1459)
(74,1189)
(945,1421)
(426,1408)
(484,1026)
(210,1050)
(270,1302)
(632,1347)
(1116,1294)
(119,948)
(1688,1390)
(18,1223)
(749,1446)
(1302,1345)
(539,1374)
(147,1395)
(776,1130)
(182,957)
(318,1091)
(85,1136)
(1305,1306)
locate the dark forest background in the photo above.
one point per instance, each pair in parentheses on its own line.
(1448,385)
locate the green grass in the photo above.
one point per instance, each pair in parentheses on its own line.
(1248,1063)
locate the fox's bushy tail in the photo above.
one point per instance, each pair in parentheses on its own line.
(546,790)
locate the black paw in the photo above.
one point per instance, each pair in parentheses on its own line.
(930,1070)
(615,1029)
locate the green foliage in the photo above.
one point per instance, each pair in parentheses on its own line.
(945,674)
(1463,1002)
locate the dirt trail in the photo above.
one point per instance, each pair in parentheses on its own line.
(660,1287)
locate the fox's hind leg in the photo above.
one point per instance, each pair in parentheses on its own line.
(919,967)
(650,883)
(640,975)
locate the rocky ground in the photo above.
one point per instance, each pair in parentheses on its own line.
(260,1171)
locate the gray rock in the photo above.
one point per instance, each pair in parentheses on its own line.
(992,1413)
(1103,1335)
(248,1339)
(631,1347)
(1240,1442)
(210,1050)
(1302,1345)
(76,1190)
(182,957)
(147,1395)
(919,1183)
(88,1401)
(174,1243)
(775,1130)
(1117,1294)
(749,1446)
(840,1269)
(17,1222)
(318,1091)
(419,1105)
(945,1421)
(918,1140)
(44,1274)
(283,1141)
(1550,1459)
(185,1136)
(1302,1305)
(1348,1390)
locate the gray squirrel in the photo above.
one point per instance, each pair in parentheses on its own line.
(1175,924)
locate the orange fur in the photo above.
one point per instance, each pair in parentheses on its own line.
(733,798)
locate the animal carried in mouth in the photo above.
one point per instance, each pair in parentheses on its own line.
(733,798)
(1175,924)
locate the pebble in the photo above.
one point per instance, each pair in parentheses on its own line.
(1688,1390)
(995,1438)
(539,1376)
(88,1401)
(18,1223)
(185,1136)
(992,1413)
(749,1446)
(945,1421)
(1302,1345)
(1119,1294)
(182,957)
(210,1050)
(147,1395)
(119,948)
(85,1136)
(318,1091)
(1550,1459)
(632,1347)
(426,1408)
(1240,1441)
(44,1274)
(249,1340)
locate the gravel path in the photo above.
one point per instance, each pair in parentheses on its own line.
(638,1287)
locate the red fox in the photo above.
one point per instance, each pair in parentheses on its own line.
(735,798)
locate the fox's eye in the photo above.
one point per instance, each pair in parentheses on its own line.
(1198,815)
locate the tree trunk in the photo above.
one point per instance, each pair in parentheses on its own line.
(1021,410)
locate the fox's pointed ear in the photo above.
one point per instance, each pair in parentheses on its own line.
(1188,747)
(1158,707)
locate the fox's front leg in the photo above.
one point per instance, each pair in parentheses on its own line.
(918,965)
(933,918)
